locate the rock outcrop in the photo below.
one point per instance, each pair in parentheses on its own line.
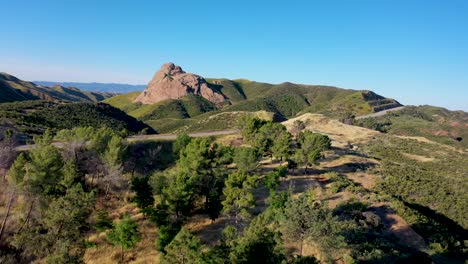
(171,82)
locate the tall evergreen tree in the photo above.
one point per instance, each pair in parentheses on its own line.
(246,159)
(124,234)
(311,145)
(239,197)
(183,249)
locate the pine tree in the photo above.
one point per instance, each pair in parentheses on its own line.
(143,192)
(124,234)
(246,159)
(239,197)
(180,143)
(311,145)
(282,145)
(303,220)
(183,249)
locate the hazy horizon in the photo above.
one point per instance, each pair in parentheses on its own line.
(414,52)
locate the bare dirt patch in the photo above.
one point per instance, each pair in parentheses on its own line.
(395,225)
(418,157)
(365,179)
(335,199)
(349,164)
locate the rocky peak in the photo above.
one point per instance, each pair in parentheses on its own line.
(171,82)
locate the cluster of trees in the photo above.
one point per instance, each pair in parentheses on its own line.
(59,115)
(203,181)
(52,192)
(382,124)
(269,138)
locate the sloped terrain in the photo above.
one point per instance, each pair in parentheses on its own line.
(285,100)
(342,134)
(13,89)
(434,123)
(34,117)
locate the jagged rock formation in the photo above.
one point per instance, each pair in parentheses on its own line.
(171,82)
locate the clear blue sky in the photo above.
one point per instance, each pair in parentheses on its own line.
(415,51)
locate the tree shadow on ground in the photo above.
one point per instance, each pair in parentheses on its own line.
(458,231)
(352,167)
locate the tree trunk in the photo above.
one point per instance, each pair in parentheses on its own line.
(27,217)
(302,244)
(10,203)
(107,189)
(122,254)
(92,179)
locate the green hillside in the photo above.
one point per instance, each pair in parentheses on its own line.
(34,117)
(435,123)
(284,100)
(13,89)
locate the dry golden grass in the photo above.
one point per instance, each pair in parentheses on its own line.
(105,253)
(340,133)
(230,140)
(340,197)
(418,157)
(338,159)
(365,179)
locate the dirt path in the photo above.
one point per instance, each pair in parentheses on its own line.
(149,137)
(381,113)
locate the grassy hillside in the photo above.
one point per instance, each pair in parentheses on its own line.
(434,123)
(285,100)
(425,173)
(34,117)
(370,198)
(13,89)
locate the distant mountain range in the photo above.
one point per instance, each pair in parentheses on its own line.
(29,108)
(97,87)
(13,89)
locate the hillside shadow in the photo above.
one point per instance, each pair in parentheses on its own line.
(145,157)
(383,233)
(352,167)
(457,230)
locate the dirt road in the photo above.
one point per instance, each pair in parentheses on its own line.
(174,136)
(151,137)
(196,134)
(381,113)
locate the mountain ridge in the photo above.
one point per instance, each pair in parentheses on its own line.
(284,101)
(97,86)
(14,89)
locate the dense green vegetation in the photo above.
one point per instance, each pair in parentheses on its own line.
(284,100)
(439,184)
(13,89)
(434,123)
(34,117)
(428,184)
(57,196)
(78,199)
